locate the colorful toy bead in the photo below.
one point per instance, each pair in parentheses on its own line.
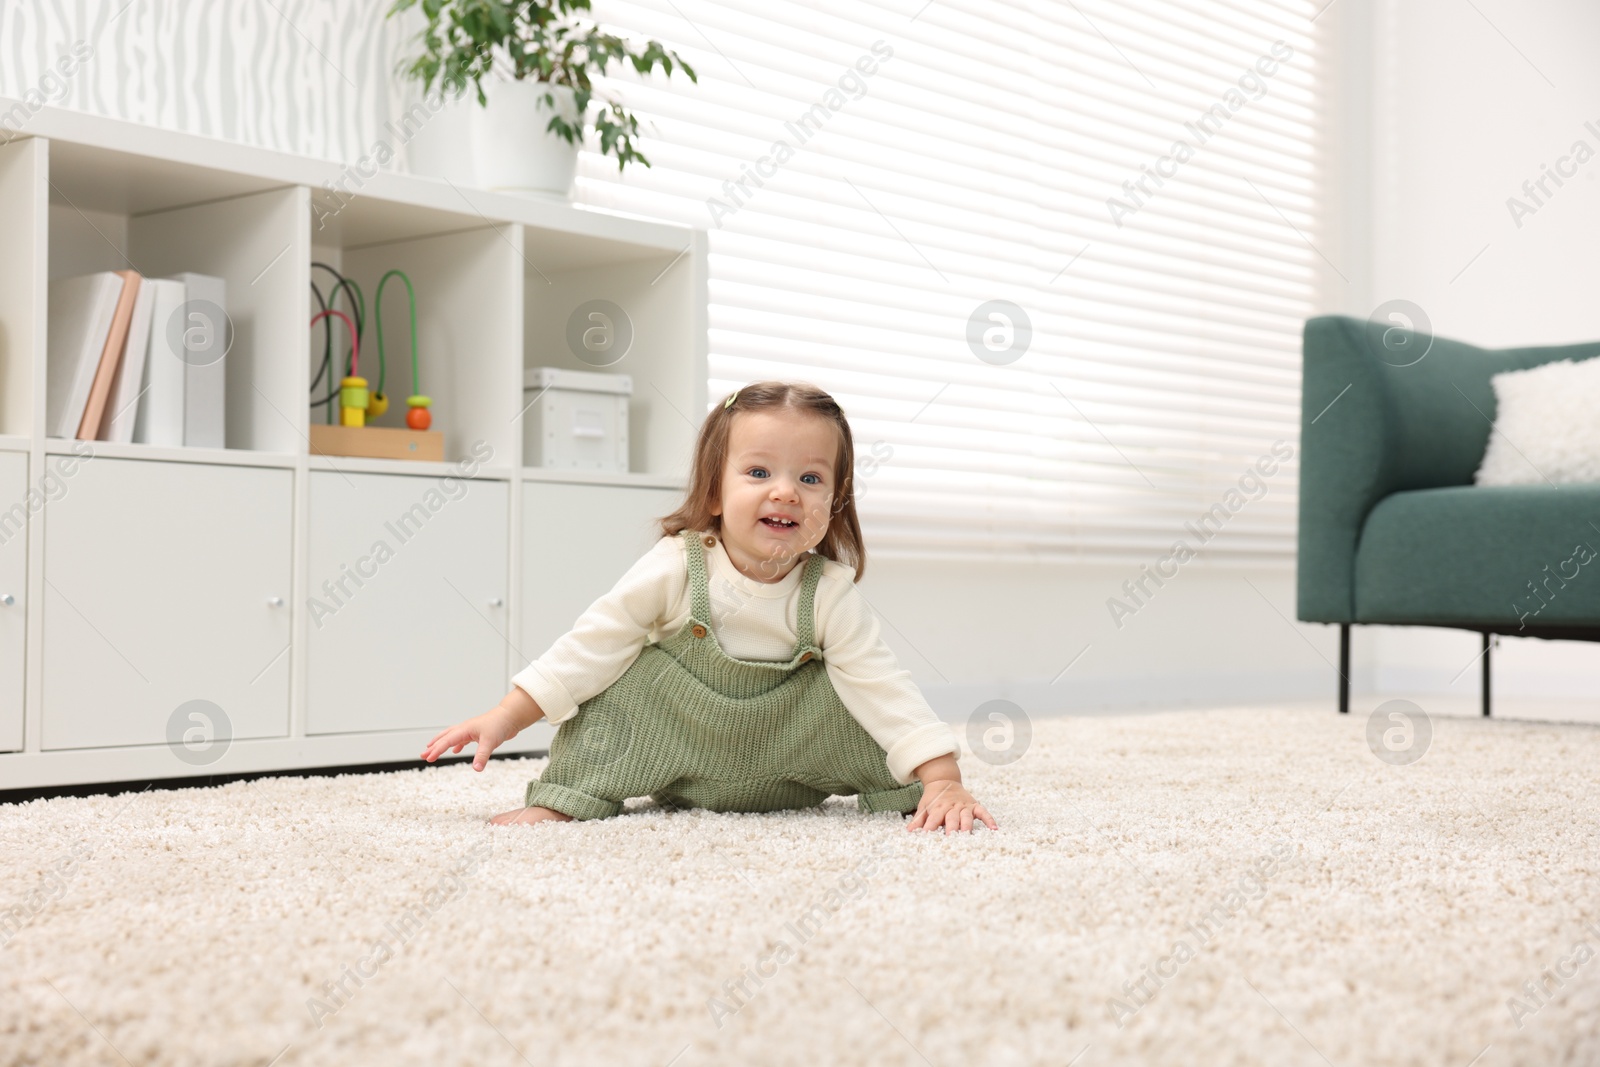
(353,400)
(418,417)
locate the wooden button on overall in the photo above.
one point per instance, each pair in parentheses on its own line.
(698,631)
(805,657)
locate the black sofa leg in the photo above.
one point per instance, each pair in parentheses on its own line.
(1344,670)
(1487,644)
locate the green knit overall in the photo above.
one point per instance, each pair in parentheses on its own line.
(692,727)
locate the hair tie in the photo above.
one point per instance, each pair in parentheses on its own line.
(728,403)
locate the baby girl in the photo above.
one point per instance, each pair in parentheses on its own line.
(767,689)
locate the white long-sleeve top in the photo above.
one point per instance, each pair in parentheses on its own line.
(752,620)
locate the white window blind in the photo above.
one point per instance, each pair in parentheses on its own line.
(975,163)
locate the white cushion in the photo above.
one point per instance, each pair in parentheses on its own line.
(1546,426)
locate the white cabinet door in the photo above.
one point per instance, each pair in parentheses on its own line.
(577,541)
(13,587)
(407,588)
(166,583)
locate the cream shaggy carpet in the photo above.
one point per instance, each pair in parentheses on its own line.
(1228,887)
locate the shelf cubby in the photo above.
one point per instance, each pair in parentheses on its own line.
(111,210)
(465,272)
(22,300)
(661,291)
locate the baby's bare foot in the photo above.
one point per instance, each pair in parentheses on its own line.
(529,815)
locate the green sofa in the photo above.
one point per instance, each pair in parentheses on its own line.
(1392,529)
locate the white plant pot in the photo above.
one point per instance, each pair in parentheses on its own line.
(512,150)
(440,144)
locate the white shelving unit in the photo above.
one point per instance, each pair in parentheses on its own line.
(336,610)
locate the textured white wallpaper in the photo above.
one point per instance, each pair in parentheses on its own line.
(314,77)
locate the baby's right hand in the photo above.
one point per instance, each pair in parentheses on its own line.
(490,730)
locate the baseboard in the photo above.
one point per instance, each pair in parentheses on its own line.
(1508,681)
(956,701)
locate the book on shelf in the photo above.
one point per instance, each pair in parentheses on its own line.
(122,408)
(81,312)
(205,378)
(120,364)
(110,356)
(159,419)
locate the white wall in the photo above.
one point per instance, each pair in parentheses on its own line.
(1212,635)
(305,76)
(1450,107)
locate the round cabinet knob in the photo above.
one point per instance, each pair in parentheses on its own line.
(274,601)
(6,600)
(496,602)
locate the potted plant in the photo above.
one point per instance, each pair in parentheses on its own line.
(530,63)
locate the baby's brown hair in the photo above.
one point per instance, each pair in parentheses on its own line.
(842,541)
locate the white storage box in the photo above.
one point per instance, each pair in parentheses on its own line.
(576,420)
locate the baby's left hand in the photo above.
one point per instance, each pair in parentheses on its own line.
(947,805)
